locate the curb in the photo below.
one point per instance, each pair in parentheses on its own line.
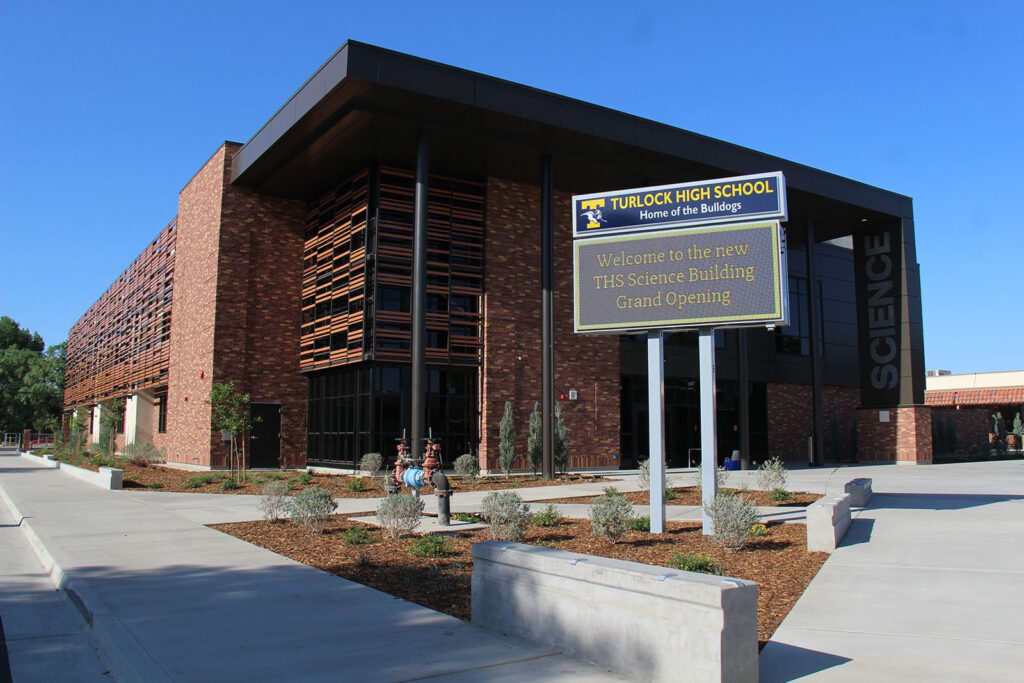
(116,645)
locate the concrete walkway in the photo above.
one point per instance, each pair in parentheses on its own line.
(171,600)
(928,584)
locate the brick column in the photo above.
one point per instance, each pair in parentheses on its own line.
(905,438)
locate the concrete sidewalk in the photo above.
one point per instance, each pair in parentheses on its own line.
(171,600)
(928,584)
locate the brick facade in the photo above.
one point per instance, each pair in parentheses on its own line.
(790,420)
(236,311)
(905,439)
(972,425)
(512,334)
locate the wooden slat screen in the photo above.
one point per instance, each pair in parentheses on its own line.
(122,343)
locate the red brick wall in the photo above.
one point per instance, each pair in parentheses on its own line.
(189,435)
(972,425)
(790,418)
(905,438)
(512,334)
(237,294)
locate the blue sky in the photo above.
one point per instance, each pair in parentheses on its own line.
(110,107)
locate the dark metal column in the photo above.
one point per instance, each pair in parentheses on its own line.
(743,382)
(419,297)
(547,373)
(813,315)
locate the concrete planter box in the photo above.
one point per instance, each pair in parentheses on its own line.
(650,623)
(109,478)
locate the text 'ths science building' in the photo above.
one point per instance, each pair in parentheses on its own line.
(289,271)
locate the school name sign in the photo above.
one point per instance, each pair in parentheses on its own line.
(720,276)
(723,200)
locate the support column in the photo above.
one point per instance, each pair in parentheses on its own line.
(547,373)
(419,298)
(743,381)
(708,429)
(813,320)
(656,427)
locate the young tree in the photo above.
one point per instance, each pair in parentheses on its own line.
(535,441)
(79,428)
(230,413)
(561,440)
(507,440)
(111,416)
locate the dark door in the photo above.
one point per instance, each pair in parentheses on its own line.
(265,439)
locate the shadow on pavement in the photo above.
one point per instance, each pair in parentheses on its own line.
(859,532)
(781,662)
(936,501)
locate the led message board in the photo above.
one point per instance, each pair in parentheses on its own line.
(722,276)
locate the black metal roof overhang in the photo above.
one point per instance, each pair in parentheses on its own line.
(366,104)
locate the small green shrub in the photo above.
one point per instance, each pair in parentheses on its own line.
(197,480)
(507,514)
(371,464)
(273,502)
(639,523)
(467,465)
(400,514)
(467,517)
(432,545)
(358,535)
(610,514)
(612,491)
(758,530)
(550,516)
(143,453)
(154,485)
(312,507)
(101,460)
(771,474)
(304,479)
(732,518)
(670,493)
(691,561)
(780,496)
(356,485)
(229,485)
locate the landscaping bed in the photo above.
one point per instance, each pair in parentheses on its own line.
(690,495)
(340,485)
(778,562)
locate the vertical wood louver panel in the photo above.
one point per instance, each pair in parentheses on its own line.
(122,343)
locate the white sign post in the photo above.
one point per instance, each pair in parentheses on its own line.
(708,427)
(656,424)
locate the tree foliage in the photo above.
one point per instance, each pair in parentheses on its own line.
(230,413)
(535,440)
(561,445)
(507,440)
(31,379)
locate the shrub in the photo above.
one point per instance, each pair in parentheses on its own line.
(228,485)
(197,480)
(639,523)
(507,440)
(311,507)
(507,515)
(550,516)
(467,517)
(535,440)
(432,545)
(358,535)
(780,496)
(609,515)
(758,530)
(467,465)
(691,561)
(356,485)
(561,445)
(273,502)
(143,453)
(303,479)
(732,517)
(644,470)
(372,464)
(771,474)
(400,514)
(154,485)
(101,460)
(721,478)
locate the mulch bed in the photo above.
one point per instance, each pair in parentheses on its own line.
(778,562)
(690,495)
(171,479)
